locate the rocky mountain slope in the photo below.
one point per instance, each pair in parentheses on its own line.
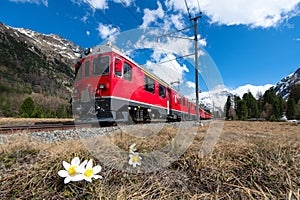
(31,61)
(284,87)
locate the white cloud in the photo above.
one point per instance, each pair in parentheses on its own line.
(203,42)
(97,4)
(190,84)
(88,33)
(178,21)
(85,18)
(170,71)
(152,15)
(297,39)
(255,13)
(107,31)
(126,3)
(45,2)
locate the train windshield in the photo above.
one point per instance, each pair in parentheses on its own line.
(101,66)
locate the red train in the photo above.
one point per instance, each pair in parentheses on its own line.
(111,87)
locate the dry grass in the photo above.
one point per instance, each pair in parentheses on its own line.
(13,121)
(251,160)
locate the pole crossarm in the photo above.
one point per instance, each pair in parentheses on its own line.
(167,34)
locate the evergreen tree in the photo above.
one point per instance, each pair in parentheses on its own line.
(242,110)
(291,108)
(282,105)
(295,93)
(227,108)
(276,110)
(253,111)
(270,98)
(27,107)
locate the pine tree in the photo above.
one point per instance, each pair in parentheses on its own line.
(291,108)
(228,106)
(242,110)
(27,107)
(270,98)
(253,111)
(295,93)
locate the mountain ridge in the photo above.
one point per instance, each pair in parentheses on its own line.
(40,55)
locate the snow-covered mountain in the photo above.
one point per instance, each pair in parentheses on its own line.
(51,44)
(215,100)
(283,87)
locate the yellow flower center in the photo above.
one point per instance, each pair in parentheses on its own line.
(135,159)
(88,173)
(72,171)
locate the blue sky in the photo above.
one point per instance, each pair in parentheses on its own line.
(249,41)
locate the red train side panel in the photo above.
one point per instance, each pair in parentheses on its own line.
(113,87)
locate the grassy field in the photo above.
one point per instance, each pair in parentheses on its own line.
(251,160)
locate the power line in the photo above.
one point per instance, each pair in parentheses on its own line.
(129,10)
(187,8)
(92,6)
(199,7)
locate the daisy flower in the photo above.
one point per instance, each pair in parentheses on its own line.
(72,171)
(90,172)
(134,159)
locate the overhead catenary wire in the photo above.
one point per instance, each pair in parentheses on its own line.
(136,18)
(188,9)
(130,11)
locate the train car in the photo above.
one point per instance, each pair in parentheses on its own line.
(111,87)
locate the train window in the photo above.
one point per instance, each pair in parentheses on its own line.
(149,84)
(118,67)
(127,71)
(162,91)
(87,68)
(78,74)
(179,99)
(101,66)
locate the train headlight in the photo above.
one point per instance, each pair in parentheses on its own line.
(102,86)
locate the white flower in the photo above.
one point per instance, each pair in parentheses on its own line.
(134,159)
(72,171)
(90,172)
(132,148)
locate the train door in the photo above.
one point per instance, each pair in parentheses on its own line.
(189,110)
(169,101)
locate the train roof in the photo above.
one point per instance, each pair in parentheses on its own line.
(108,47)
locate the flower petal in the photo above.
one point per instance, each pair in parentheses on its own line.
(75,161)
(66,165)
(83,164)
(89,179)
(97,169)
(63,173)
(89,165)
(67,179)
(80,169)
(78,177)
(97,177)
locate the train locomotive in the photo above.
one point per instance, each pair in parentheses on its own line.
(110,87)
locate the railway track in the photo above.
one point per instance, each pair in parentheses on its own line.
(40,127)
